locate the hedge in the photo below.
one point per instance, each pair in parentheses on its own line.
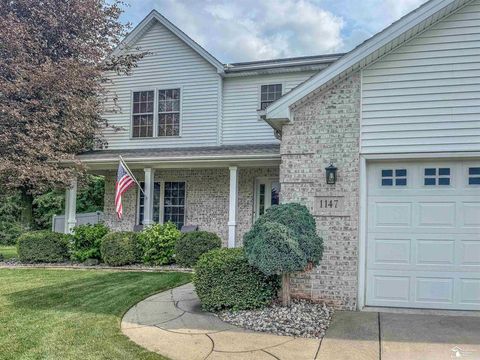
(223,279)
(86,241)
(120,248)
(192,245)
(43,246)
(158,243)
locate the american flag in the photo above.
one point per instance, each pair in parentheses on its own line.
(124,182)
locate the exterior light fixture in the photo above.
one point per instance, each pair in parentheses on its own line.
(331,172)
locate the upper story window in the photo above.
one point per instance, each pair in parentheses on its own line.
(143,114)
(268,94)
(436,176)
(150,121)
(169,112)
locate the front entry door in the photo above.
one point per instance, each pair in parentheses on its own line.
(267,193)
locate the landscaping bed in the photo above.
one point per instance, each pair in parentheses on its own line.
(300,319)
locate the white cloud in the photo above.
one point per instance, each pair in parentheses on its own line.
(246,30)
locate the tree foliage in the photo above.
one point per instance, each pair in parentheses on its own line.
(54,62)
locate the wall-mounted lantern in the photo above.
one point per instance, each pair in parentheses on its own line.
(331,172)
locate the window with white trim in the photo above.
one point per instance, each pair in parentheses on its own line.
(474,176)
(142,115)
(269,94)
(169,112)
(437,176)
(394,177)
(156,113)
(174,203)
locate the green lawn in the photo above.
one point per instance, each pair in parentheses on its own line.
(73,314)
(8,251)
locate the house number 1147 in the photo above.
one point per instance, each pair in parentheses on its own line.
(328,204)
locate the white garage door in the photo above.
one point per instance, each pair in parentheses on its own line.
(423,242)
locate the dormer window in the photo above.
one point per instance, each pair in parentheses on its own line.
(269,94)
(156,113)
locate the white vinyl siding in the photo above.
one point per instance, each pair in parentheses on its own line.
(424,96)
(172,64)
(241,100)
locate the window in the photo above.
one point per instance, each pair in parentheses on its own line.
(267,194)
(437,176)
(156,203)
(148,121)
(143,114)
(394,177)
(169,112)
(268,94)
(174,199)
(474,176)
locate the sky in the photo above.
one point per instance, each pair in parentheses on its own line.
(248,30)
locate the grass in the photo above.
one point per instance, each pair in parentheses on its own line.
(73,314)
(8,252)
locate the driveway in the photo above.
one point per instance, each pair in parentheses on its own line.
(172,324)
(387,336)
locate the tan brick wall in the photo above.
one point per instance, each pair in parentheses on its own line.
(326,128)
(206,198)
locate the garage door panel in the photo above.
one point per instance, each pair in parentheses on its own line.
(470,213)
(435,252)
(423,242)
(470,253)
(470,291)
(435,214)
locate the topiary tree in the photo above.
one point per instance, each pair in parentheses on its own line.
(282,241)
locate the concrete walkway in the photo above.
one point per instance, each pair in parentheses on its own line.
(172,324)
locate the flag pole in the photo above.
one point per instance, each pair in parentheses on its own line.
(131,174)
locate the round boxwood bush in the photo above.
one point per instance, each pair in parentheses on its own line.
(298,219)
(223,279)
(192,245)
(120,248)
(273,249)
(43,246)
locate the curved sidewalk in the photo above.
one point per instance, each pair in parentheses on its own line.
(172,324)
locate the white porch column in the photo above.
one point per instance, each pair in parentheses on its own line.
(148,198)
(70,207)
(233,204)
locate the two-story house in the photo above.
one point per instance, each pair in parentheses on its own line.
(399,117)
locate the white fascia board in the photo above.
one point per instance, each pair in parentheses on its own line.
(280,108)
(155,15)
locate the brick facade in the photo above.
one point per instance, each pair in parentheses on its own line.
(207,194)
(326,129)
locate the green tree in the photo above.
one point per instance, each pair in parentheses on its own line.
(282,241)
(55,58)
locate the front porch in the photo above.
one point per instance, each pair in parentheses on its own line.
(219,189)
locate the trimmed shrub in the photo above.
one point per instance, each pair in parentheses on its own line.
(273,249)
(158,243)
(223,279)
(43,246)
(86,241)
(192,245)
(299,220)
(120,248)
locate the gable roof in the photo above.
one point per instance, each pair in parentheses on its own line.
(153,16)
(366,53)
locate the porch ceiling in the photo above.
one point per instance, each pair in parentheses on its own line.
(197,157)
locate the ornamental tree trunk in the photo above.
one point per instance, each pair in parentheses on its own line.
(286,299)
